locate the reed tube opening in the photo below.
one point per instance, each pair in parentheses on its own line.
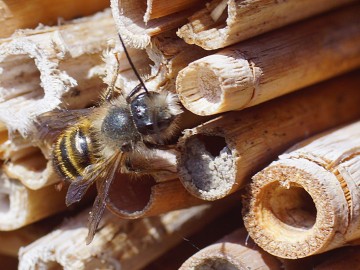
(130,197)
(296,205)
(217,83)
(291,207)
(207,166)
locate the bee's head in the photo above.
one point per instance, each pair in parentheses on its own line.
(154,113)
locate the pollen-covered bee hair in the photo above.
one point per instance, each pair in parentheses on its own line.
(102,140)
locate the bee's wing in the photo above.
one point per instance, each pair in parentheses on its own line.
(78,188)
(100,201)
(51,124)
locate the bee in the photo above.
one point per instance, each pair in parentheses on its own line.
(101,141)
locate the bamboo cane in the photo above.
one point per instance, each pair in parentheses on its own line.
(235,252)
(129,20)
(118,243)
(39,69)
(217,158)
(223,23)
(307,202)
(20,206)
(273,64)
(19,14)
(160,8)
(12,241)
(134,198)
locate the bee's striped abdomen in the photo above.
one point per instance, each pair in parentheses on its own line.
(73,152)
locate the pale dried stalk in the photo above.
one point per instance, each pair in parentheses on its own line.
(129,20)
(20,206)
(20,13)
(212,27)
(272,64)
(142,197)
(39,69)
(61,74)
(216,158)
(118,243)
(307,202)
(170,54)
(160,8)
(234,252)
(12,241)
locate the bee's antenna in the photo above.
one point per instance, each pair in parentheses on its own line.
(132,65)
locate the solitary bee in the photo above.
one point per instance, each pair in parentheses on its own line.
(102,140)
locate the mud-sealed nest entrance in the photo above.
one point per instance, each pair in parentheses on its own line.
(208,166)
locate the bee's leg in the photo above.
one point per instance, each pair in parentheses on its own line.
(160,146)
(109,93)
(130,168)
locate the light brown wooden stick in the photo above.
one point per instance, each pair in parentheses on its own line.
(142,197)
(33,170)
(213,27)
(28,14)
(170,54)
(160,8)
(235,252)
(12,241)
(307,202)
(128,16)
(273,64)
(20,206)
(216,158)
(118,243)
(39,69)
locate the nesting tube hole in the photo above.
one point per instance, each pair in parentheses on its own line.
(213,144)
(130,196)
(25,77)
(209,164)
(292,206)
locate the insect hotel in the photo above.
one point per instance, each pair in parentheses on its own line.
(180,134)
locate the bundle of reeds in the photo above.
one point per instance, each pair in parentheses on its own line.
(232,65)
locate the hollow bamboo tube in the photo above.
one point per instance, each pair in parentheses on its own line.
(223,23)
(20,206)
(216,158)
(170,54)
(12,241)
(234,252)
(40,69)
(134,198)
(20,13)
(273,64)
(118,243)
(160,8)
(33,170)
(129,20)
(307,202)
